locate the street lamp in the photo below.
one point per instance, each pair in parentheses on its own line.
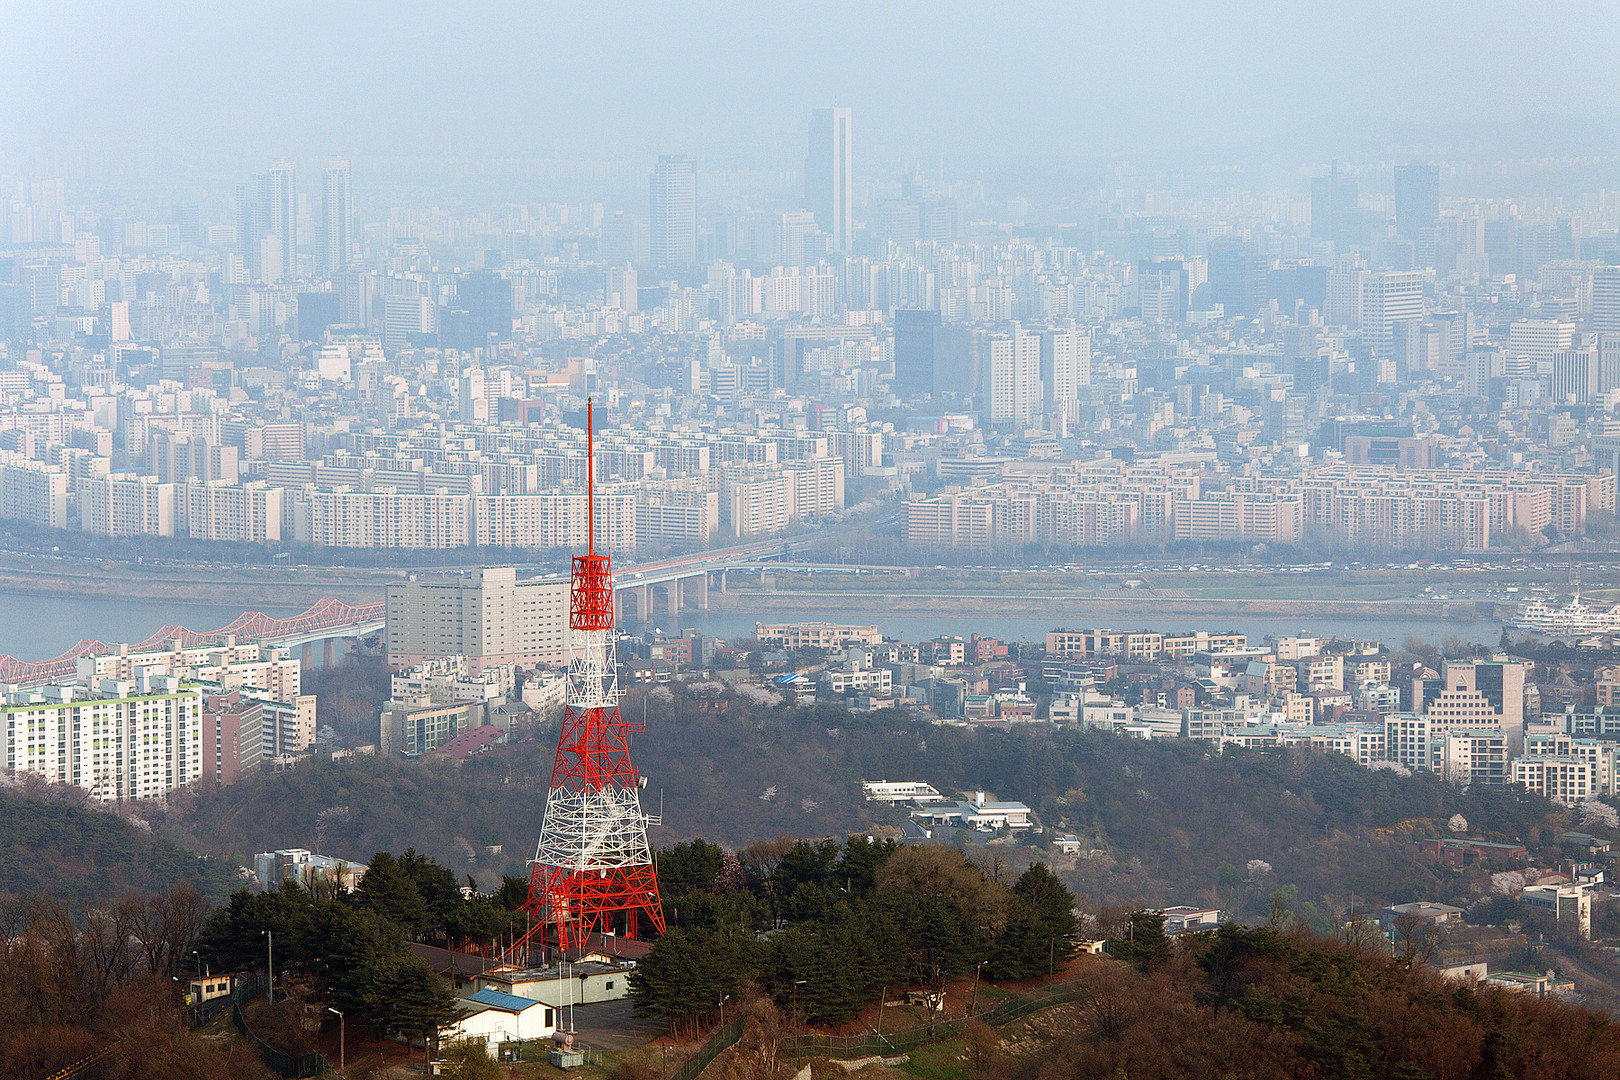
(270,961)
(343,1049)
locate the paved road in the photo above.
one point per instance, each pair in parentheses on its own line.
(609,1025)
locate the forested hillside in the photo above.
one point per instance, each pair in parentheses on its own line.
(1261,1004)
(55,844)
(1172,821)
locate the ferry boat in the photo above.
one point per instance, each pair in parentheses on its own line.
(1540,617)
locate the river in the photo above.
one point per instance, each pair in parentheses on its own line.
(40,627)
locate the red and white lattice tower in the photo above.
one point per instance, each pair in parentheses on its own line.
(593,860)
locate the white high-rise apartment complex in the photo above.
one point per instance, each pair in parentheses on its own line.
(829,176)
(1065,367)
(337,216)
(118,740)
(674,212)
(1010,378)
(486,615)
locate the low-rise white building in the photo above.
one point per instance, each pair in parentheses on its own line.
(492,1018)
(893,791)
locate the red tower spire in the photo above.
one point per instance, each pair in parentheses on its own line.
(593,860)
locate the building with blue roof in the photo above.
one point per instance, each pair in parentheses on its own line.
(493,1017)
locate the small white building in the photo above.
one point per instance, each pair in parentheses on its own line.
(582,983)
(895,791)
(980,814)
(1181,918)
(493,1018)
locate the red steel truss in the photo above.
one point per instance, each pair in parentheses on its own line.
(249,626)
(593,860)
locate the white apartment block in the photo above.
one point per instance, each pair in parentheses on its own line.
(451,679)
(118,740)
(814,635)
(124,504)
(879,681)
(33,492)
(487,616)
(269,671)
(1563,780)
(1602,754)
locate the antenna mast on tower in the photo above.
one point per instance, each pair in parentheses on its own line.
(593,860)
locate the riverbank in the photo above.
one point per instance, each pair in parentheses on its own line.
(1205,609)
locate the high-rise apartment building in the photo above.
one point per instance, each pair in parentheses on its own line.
(118,740)
(486,615)
(674,212)
(1010,374)
(829,176)
(1061,352)
(1417,199)
(337,216)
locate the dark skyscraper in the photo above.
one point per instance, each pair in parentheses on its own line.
(829,176)
(914,352)
(1417,199)
(1336,209)
(1237,275)
(674,213)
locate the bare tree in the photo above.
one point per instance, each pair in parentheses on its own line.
(1416,938)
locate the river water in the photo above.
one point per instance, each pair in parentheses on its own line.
(40,627)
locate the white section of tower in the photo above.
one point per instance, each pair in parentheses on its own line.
(593,669)
(601,829)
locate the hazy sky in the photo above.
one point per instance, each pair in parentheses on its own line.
(227,85)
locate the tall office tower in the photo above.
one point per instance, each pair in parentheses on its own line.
(623,240)
(1060,370)
(1386,299)
(1011,379)
(797,239)
(1237,275)
(249,229)
(1576,375)
(1342,306)
(674,213)
(188,223)
(1606,298)
(1335,209)
(1417,199)
(829,176)
(337,216)
(620,289)
(278,219)
(914,352)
